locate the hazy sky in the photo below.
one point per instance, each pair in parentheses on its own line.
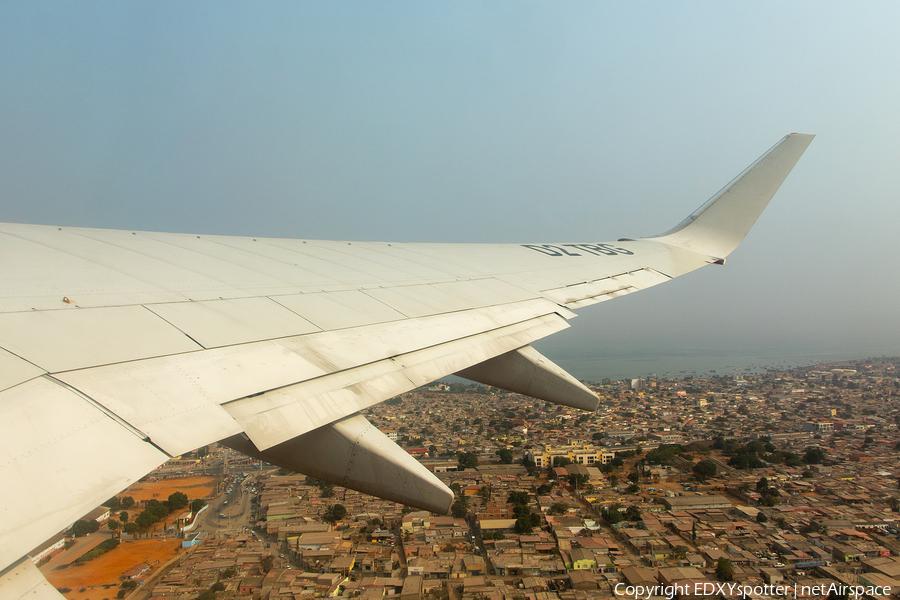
(485,121)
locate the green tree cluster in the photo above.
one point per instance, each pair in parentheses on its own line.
(526,521)
(558,508)
(81,527)
(104,547)
(334,513)
(611,514)
(814,456)
(664,454)
(460,507)
(704,469)
(268,561)
(769,495)
(724,570)
(467,460)
(157,511)
(632,513)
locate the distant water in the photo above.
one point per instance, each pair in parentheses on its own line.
(677,365)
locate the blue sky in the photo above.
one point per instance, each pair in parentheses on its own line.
(484,121)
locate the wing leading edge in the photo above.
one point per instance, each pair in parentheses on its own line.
(120,349)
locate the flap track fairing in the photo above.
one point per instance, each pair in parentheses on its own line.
(526,371)
(353,453)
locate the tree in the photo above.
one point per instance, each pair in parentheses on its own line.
(814,455)
(80,528)
(558,508)
(228,573)
(724,570)
(157,509)
(526,521)
(762,486)
(145,520)
(518,498)
(578,479)
(761,517)
(467,460)
(632,513)
(113,525)
(334,513)
(486,493)
(704,469)
(505,455)
(770,499)
(127,502)
(177,501)
(460,508)
(267,562)
(123,516)
(612,515)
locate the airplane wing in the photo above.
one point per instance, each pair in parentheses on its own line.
(121,349)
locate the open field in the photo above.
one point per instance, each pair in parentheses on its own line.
(194,487)
(106,569)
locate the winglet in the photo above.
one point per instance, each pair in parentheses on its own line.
(717,227)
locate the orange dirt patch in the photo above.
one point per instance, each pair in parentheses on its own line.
(107,568)
(193,487)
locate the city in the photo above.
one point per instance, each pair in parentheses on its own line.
(673,487)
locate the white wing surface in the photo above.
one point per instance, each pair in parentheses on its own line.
(120,349)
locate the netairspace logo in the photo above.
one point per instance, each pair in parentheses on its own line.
(736,589)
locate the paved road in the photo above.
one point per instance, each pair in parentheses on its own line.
(236,512)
